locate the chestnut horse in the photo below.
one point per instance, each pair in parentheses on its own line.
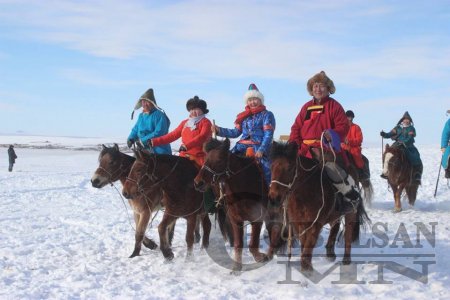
(115,165)
(400,174)
(175,176)
(308,197)
(241,184)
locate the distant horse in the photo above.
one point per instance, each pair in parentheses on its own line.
(245,198)
(115,165)
(400,177)
(175,176)
(309,198)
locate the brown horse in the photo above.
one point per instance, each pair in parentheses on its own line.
(175,176)
(400,176)
(115,165)
(309,198)
(240,182)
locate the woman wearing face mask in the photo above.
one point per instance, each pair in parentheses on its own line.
(403,134)
(256,126)
(194,132)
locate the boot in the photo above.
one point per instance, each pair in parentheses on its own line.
(347,203)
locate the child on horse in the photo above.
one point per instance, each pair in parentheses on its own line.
(256,126)
(445,147)
(403,135)
(323,115)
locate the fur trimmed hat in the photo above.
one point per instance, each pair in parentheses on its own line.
(321,78)
(253,92)
(405,116)
(196,102)
(350,114)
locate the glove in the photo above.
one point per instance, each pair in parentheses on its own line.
(130,143)
(182,148)
(383,134)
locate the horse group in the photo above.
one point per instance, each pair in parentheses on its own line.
(299,202)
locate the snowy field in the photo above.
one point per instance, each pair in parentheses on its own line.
(60,238)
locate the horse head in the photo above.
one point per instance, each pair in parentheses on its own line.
(283,168)
(111,167)
(215,165)
(138,178)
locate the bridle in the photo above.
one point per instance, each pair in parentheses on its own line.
(227,171)
(291,184)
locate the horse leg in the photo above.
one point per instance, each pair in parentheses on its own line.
(331,255)
(350,223)
(197,229)
(143,223)
(310,243)
(190,228)
(206,223)
(238,237)
(254,243)
(172,232)
(163,229)
(397,193)
(275,238)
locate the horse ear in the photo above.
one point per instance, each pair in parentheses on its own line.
(116,147)
(226,144)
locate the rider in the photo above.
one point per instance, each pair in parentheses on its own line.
(445,147)
(323,115)
(255,125)
(194,132)
(403,134)
(152,122)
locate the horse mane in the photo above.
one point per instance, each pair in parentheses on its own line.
(282,149)
(213,144)
(171,160)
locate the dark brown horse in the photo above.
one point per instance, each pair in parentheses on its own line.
(400,176)
(309,198)
(115,165)
(241,186)
(175,176)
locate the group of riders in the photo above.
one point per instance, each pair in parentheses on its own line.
(321,125)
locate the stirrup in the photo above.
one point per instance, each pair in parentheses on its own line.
(384,176)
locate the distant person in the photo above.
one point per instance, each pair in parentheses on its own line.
(353,140)
(255,125)
(403,134)
(152,123)
(12,157)
(445,147)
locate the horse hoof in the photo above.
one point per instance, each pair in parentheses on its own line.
(346,261)
(331,257)
(168,254)
(397,210)
(150,244)
(135,253)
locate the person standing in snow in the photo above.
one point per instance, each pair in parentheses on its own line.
(12,157)
(256,126)
(324,116)
(445,147)
(152,122)
(403,134)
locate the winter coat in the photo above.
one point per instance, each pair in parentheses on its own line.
(445,143)
(353,143)
(405,136)
(193,140)
(12,155)
(313,119)
(151,125)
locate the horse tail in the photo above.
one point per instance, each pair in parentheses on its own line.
(368,191)
(224,224)
(362,220)
(411,192)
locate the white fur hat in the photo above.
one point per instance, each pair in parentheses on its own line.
(253,92)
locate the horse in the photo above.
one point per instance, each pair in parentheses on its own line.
(115,165)
(174,175)
(400,173)
(308,197)
(240,182)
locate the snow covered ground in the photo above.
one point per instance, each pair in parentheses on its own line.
(61,238)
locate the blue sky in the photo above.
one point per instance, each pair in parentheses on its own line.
(76,68)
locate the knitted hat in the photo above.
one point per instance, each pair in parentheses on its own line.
(196,102)
(350,114)
(253,92)
(320,78)
(405,116)
(148,96)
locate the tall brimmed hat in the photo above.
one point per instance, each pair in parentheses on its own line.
(405,116)
(320,78)
(196,102)
(350,114)
(253,92)
(147,96)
